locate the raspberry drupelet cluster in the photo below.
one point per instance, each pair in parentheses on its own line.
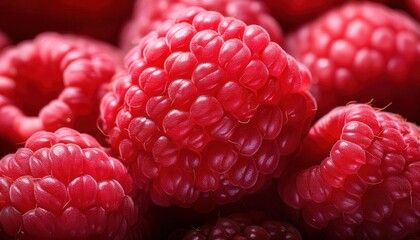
(246,225)
(54,81)
(357,176)
(209,110)
(362,52)
(64,185)
(149,14)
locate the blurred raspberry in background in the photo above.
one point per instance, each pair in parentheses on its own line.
(101,19)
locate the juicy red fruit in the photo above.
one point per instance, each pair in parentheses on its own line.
(358,175)
(364,52)
(53,81)
(207,115)
(246,225)
(149,14)
(63,184)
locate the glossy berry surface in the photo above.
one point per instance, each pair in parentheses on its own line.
(53,81)
(149,14)
(362,52)
(243,226)
(210,109)
(358,176)
(63,185)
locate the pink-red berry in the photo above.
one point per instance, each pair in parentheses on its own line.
(53,81)
(357,176)
(364,52)
(242,226)
(209,110)
(149,14)
(63,185)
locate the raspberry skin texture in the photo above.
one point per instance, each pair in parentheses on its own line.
(149,14)
(358,176)
(64,185)
(362,52)
(208,110)
(54,81)
(247,225)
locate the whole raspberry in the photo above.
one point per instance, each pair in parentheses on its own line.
(243,226)
(357,176)
(54,81)
(149,14)
(62,185)
(362,52)
(100,19)
(209,110)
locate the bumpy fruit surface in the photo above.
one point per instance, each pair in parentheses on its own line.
(53,81)
(362,52)
(243,226)
(149,14)
(62,185)
(358,176)
(210,109)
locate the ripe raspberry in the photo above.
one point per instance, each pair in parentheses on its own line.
(358,175)
(248,225)
(62,185)
(53,81)
(362,52)
(149,14)
(209,110)
(95,18)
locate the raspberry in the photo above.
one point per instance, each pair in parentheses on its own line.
(63,184)
(358,175)
(248,225)
(54,81)
(209,110)
(95,18)
(362,52)
(149,14)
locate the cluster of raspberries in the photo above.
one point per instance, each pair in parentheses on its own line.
(216,119)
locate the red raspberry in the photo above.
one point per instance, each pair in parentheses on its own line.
(101,19)
(358,175)
(149,14)
(362,52)
(62,185)
(242,226)
(53,81)
(210,109)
